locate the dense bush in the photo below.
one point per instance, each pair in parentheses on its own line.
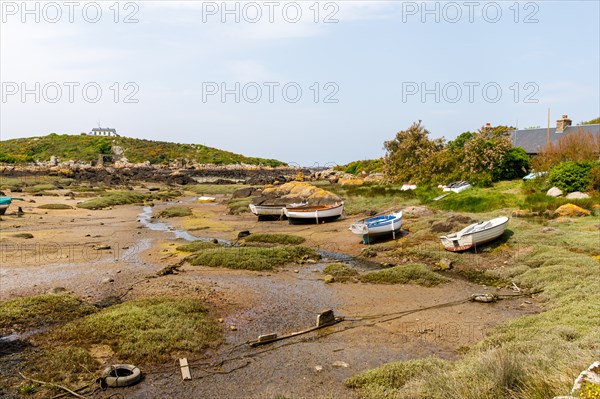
(514,165)
(571,176)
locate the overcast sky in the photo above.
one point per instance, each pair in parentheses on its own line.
(307,83)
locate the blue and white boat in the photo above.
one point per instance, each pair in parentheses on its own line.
(5,202)
(378,226)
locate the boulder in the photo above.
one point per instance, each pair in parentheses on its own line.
(554,192)
(445,264)
(589,376)
(570,210)
(577,195)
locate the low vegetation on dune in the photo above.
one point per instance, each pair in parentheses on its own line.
(112,198)
(252,258)
(143,331)
(89,148)
(534,356)
(41,309)
(285,239)
(175,211)
(405,274)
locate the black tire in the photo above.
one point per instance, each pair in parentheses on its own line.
(122,375)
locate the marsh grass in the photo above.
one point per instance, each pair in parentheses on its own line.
(533,356)
(340,271)
(38,188)
(239,205)
(214,188)
(175,211)
(252,258)
(55,206)
(286,239)
(42,309)
(146,330)
(405,274)
(196,246)
(112,198)
(62,364)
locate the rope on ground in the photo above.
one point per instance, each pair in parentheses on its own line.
(54,385)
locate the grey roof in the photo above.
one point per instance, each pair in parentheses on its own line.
(535,140)
(101,129)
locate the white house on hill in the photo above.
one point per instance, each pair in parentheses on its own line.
(100,131)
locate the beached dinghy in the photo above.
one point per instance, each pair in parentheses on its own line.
(378,226)
(313,214)
(475,234)
(268,211)
(5,202)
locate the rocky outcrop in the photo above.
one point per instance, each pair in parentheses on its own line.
(571,210)
(296,192)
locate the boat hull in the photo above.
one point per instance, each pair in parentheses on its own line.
(268,212)
(378,227)
(311,215)
(457,243)
(3,208)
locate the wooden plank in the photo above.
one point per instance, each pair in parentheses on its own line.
(185,369)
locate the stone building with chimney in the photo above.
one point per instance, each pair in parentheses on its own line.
(535,140)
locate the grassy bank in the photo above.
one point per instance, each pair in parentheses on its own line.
(175,211)
(535,356)
(404,274)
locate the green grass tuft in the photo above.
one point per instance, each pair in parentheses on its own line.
(55,206)
(41,309)
(145,330)
(252,258)
(175,211)
(286,239)
(62,365)
(405,274)
(196,246)
(113,198)
(340,271)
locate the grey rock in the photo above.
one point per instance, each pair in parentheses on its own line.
(577,195)
(554,192)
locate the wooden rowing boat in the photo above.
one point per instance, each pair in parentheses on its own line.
(313,214)
(475,234)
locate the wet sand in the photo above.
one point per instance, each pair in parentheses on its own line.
(62,254)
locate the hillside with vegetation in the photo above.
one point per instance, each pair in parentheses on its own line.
(88,148)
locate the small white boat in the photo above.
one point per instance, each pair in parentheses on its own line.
(378,226)
(206,199)
(313,214)
(268,211)
(457,186)
(406,187)
(475,234)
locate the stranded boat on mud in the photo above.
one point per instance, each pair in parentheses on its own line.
(313,214)
(270,212)
(378,226)
(475,234)
(5,202)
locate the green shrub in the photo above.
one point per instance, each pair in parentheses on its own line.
(514,165)
(55,206)
(571,176)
